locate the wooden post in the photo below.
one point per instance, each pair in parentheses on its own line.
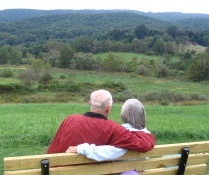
(183,160)
(45,167)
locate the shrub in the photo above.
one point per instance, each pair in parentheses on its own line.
(123,96)
(74,88)
(7,73)
(163,72)
(46,79)
(164,97)
(9,88)
(29,77)
(142,70)
(116,86)
(86,61)
(62,77)
(199,68)
(113,63)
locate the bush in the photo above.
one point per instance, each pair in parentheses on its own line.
(113,63)
(9,88)
(164,97)
(163,72)
(74,88)
(46,79)
(62,77)
(125,95)
(7,73)
(29,77)
(114,86)
(142,70)
(199,68)
(86,61)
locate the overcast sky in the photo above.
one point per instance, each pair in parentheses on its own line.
(185,6)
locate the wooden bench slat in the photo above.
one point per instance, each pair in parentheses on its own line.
(23,162)
(163,159)
(197,158)
(160,150)
(118,167)
(190,170)
(65,159)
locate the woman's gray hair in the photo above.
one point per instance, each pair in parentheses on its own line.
(133,112)
(100,99)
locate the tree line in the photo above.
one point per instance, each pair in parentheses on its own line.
(75,48)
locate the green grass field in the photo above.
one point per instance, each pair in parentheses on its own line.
(26,129)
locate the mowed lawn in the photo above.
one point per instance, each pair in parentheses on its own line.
(26,129)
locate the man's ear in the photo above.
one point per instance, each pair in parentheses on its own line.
(108,109)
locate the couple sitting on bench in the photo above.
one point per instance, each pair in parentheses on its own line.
(98,138)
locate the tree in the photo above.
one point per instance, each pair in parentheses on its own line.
(170,48)
(66,57)
(139,46)
(86,61)
(4,55)
(141,31)
(83,44)
(113,63)
(36,49)
(172,31)
(199,68)
(159,46)
(15,56)
(116,34)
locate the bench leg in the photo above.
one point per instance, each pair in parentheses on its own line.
(45,167)
(183,160)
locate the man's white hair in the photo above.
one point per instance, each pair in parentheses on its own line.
(100,99)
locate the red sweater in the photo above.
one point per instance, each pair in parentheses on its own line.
(96,129)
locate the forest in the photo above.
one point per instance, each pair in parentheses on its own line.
(71,39)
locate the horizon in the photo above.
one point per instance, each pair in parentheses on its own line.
(100,10)
(152,6)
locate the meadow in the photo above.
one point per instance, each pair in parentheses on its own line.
(177,110)
(27,129)
(72,85)
(77,84)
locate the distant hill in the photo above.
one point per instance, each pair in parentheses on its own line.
(195,23)
(175,16)
(131,17)
(12,15)
(24,25)
(91,21)
(191,21)
(115,18)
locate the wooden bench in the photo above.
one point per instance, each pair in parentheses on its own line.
(168,159)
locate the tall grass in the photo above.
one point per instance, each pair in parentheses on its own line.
(28,128)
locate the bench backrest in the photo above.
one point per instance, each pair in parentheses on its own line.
(162,160)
